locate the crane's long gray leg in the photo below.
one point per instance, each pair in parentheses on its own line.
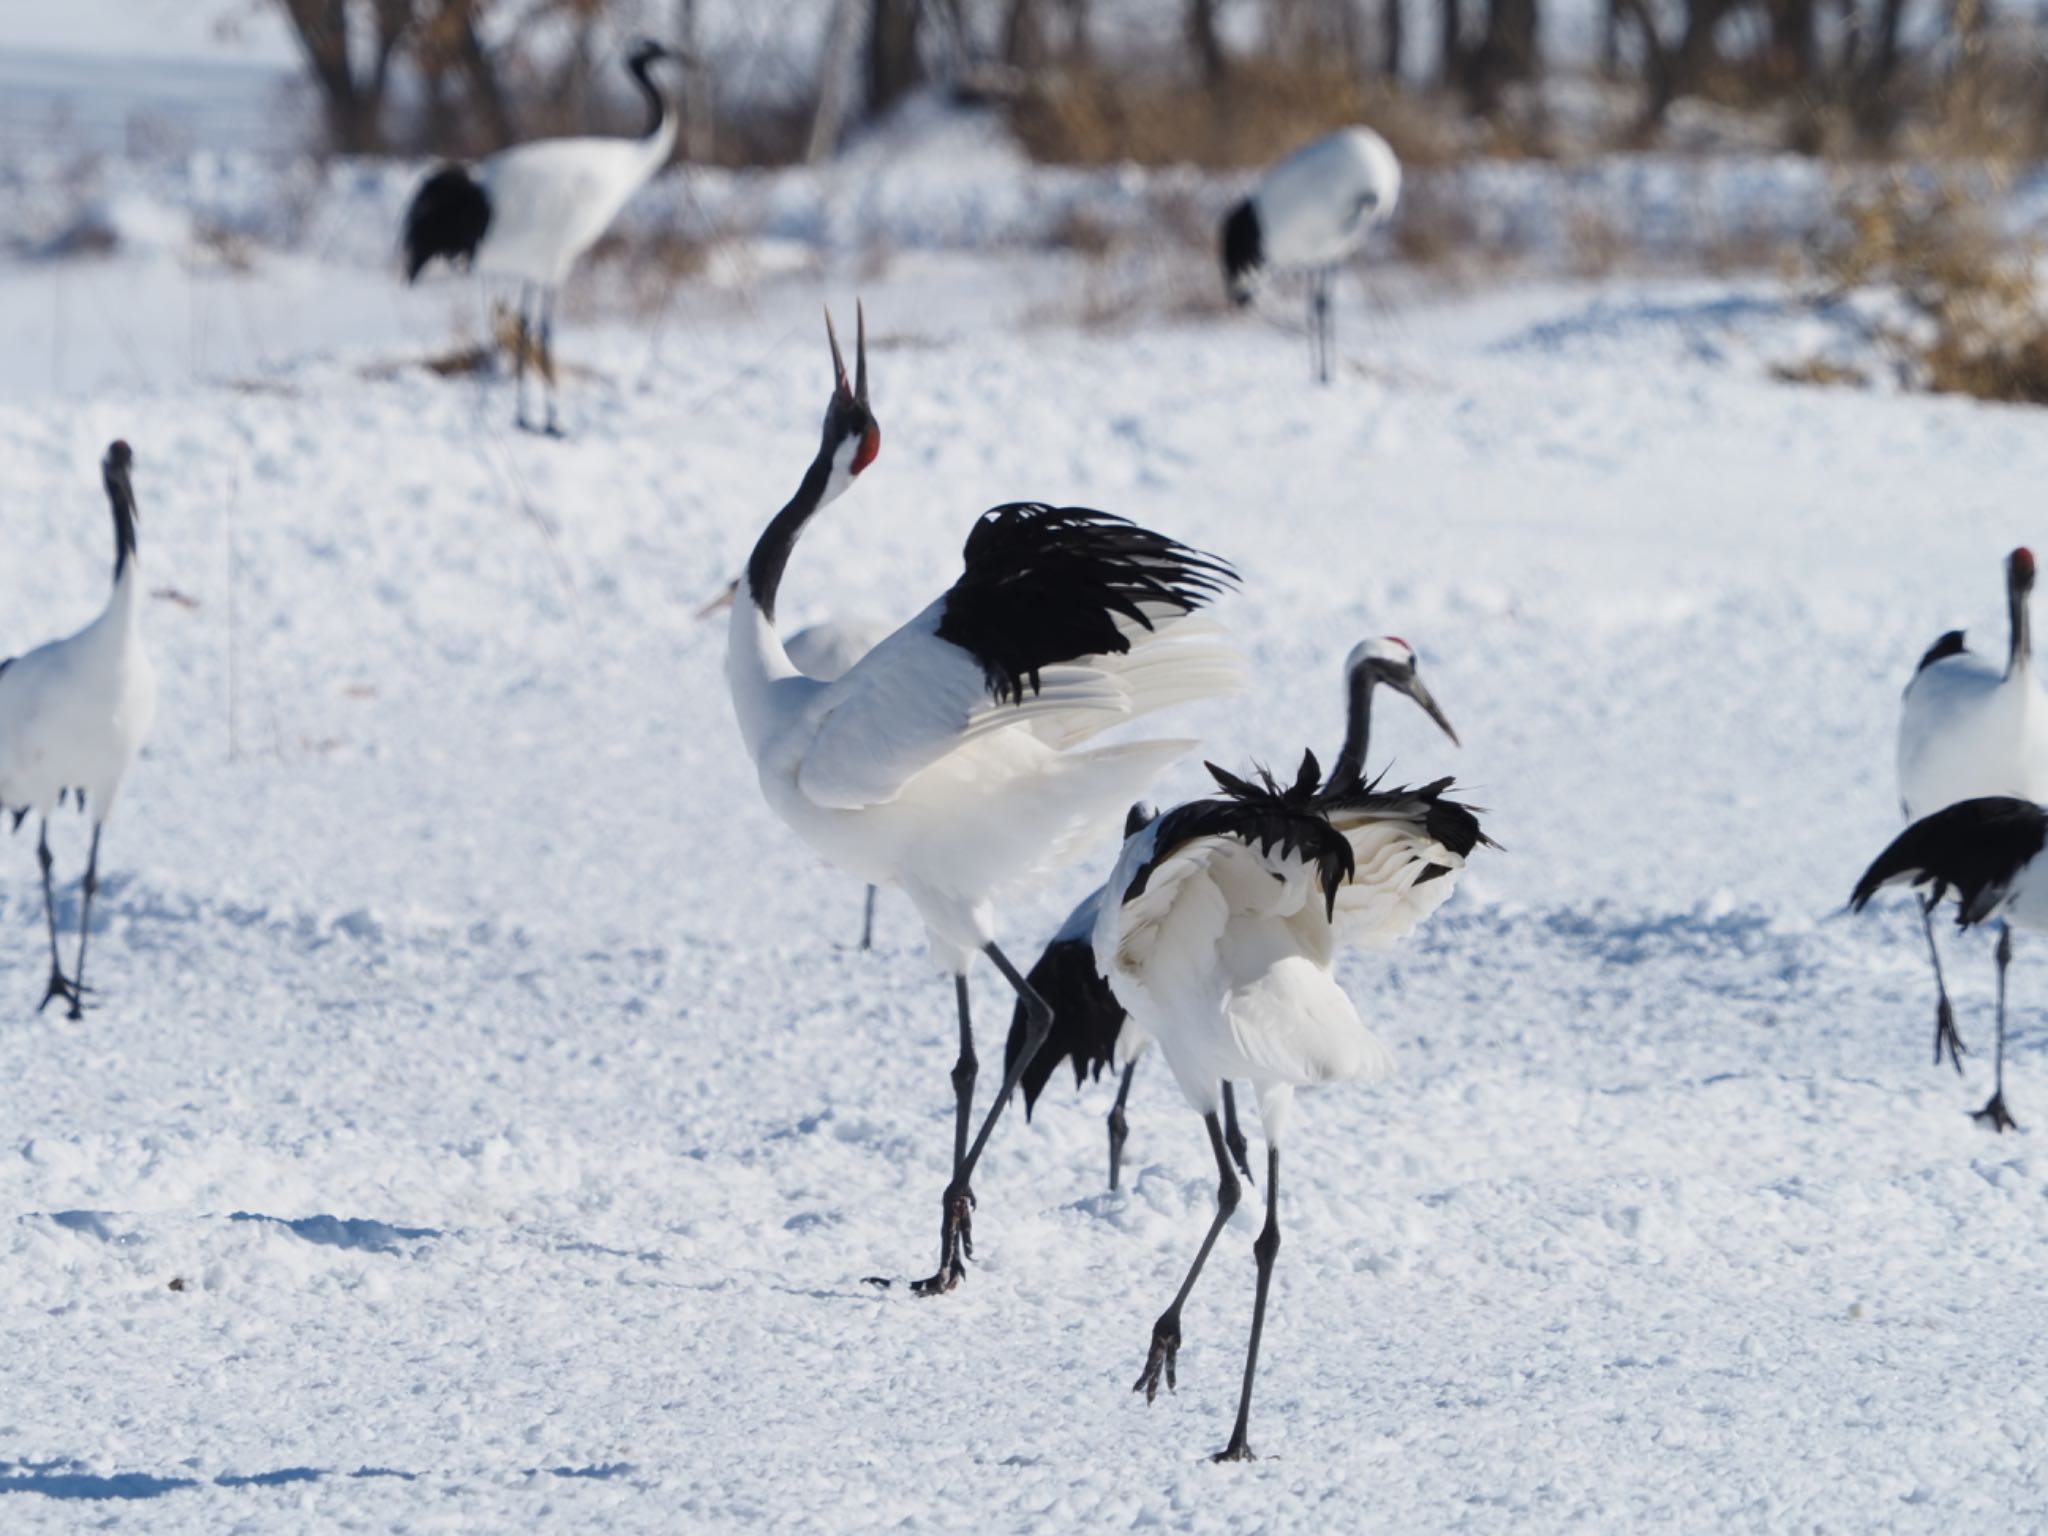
(956,1216)
(1944,1014)
(59,988)
(522,344)
(92,884)
(1319,314)
(956,1243)
(1166,1331)
(1119,1127)
(547,355)
(1994,1113)
(965,1070)
(1265,1250)
(1233,1138)
(1315,340)
(867,921)
(1329,323)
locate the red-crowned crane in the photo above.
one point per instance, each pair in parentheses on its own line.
(1310,213)
(530,212)
(1218,932)
(73,714)
(948,761)
(1969,728)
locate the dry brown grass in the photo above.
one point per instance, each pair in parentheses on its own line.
(1973,289)
(1262,109)
(643,267)
(1820,371)
(1161,263)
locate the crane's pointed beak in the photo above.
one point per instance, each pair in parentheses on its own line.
(838,357)
(860,353)
(721,602)
(1412,685)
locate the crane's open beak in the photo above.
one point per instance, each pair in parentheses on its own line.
(857,390)
(1411,684)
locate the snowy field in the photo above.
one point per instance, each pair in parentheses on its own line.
(489,1124)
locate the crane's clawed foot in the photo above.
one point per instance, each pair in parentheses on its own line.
(1165,1352)
(1237,1450)
(956,1244)
(1945,1036)
(63,989)
(1994,1115)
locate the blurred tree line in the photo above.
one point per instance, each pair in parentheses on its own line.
(1207,80)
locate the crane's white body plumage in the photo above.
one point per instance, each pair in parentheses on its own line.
(905,771)
(552,199)
(1968,728)
(1226,956)
(74,712)
(828,649)
(1317,206)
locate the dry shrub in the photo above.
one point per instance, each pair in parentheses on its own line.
(462,361)
(1083,233)
(222,247)
(1261,109)
(643,266)
(1820,371)
(1988,105)
(1595,244)
(1971,288)
(1162,262)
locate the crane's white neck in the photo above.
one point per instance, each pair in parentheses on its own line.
(2021,653)
(757,668)
(124,603)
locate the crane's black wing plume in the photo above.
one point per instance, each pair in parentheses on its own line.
(1975,848)
(1451,824)
(1086,1018)
(1244,251)
(1260,815)
(1950,644)
(448,217)
(1048,584)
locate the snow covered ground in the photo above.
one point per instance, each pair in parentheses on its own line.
(488,1123)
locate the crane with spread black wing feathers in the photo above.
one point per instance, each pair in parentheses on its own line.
(953,761)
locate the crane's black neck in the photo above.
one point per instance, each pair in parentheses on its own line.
(657,104)
(2016,595)
(121,497)
(778,540)
(1349,770)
